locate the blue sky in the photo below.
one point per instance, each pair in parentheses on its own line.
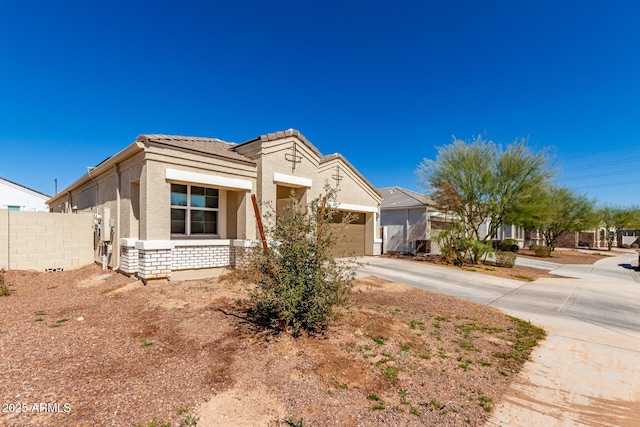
(383,83)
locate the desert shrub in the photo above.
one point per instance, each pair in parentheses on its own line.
(505,259)
(509,245)
(299,283)
(458,249)
(4,286)
(541,251)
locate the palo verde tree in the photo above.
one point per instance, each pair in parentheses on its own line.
(615,218)
(299,283)
(560,210)
(484,185)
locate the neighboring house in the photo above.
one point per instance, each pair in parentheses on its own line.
(16,197)
(169,203)
(629,237)
(510,231)
(410,221)
(596,238)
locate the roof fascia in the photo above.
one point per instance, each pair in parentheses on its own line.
(123,154)
(289,133)
(340,158)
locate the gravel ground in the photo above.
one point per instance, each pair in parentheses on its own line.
(102,350)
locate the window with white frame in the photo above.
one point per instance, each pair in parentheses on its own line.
(194,210)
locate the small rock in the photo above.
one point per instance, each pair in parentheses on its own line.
(80,319)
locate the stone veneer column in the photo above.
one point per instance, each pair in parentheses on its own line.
(154,259)
(128,256)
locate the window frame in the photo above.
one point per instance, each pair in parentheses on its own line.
(188,209)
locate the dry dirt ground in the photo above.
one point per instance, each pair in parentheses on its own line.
(85,348)
(559,256)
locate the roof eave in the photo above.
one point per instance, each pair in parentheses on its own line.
(128,151)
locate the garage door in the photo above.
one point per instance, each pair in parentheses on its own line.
(351,240)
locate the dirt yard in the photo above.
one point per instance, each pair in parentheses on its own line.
(95,348)
(559,256)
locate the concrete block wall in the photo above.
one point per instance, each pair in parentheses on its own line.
(203,256)
(154,264)
(44,240)
(128,256)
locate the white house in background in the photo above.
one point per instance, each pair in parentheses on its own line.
(16,197)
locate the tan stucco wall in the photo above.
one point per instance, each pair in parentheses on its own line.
(157,190)
(273,161)
(106,186)
(42,240)
(352,189)
(140,181)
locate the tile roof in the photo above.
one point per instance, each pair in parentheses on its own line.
(213,146)
(397,197)
(273,136)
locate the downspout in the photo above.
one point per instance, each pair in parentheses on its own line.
(103,246)
(8,240)
(89,169)
(116,244)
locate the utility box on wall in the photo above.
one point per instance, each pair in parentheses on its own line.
(105,220)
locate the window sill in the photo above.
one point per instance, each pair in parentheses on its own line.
(201,242)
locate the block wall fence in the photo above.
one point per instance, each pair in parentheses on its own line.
(43,240)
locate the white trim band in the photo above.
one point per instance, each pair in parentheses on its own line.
(203,242)
(129,242)
(292,180)
(354,208)
(148,245)
(213,180)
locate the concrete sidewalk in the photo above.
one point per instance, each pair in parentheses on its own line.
(587,371)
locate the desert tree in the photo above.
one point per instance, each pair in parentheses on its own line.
(560,210)
(485,184)
(614,218)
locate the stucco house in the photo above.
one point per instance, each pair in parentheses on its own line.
(410,221)
(523,237)
(170,203)
(16,197)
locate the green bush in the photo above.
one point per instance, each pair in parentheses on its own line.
(624,246)
(457,249)
(509,245)
(541,251)
(505,259)
(300,284)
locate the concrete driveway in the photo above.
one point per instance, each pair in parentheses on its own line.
(587,371)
